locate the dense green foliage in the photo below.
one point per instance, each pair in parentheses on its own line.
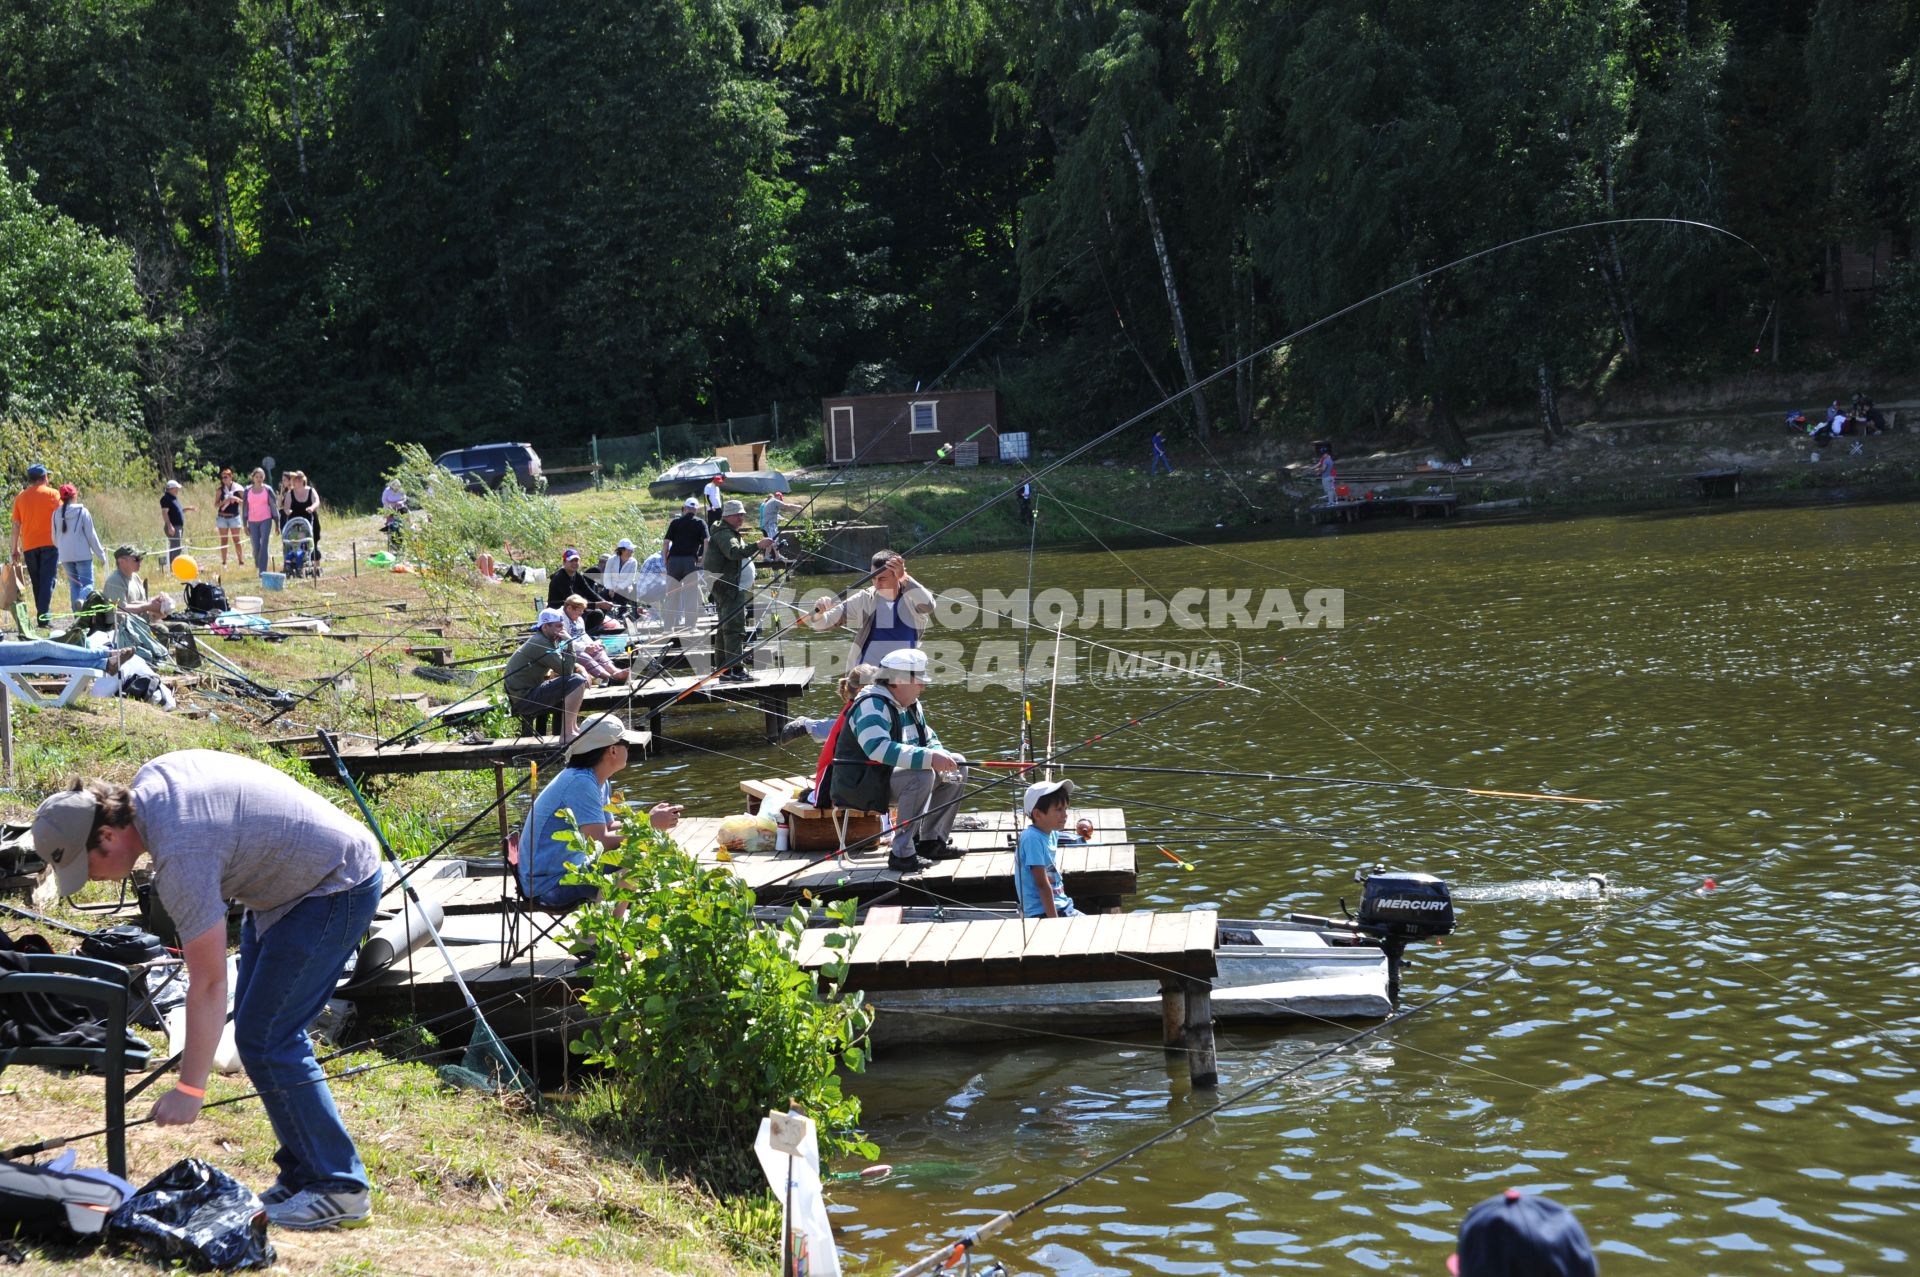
(448,525)
(450,222)
(702,1017)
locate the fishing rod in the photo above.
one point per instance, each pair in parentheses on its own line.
(1226,774)
(949,1255)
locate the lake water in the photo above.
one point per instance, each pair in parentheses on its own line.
(1717,1082)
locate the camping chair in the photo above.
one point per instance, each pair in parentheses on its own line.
(85,980)
(516,905)
(297,558)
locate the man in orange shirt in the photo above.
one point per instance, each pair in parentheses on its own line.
(33,536)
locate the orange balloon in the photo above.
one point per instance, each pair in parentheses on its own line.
(185,569)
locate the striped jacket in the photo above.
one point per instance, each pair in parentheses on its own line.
(871,724)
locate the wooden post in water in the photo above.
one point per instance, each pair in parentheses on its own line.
(1202,1065)
(1173,1014)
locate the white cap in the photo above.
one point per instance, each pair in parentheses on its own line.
(172,483)
(601,732)
(906,660)
(624,544)
(691,503)
(550,616)
(1040,789)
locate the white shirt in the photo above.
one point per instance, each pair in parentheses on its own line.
(712,491)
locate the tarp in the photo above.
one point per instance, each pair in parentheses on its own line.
(814,1252)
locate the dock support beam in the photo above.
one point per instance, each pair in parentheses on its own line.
(1201,1062)
(1173,1014)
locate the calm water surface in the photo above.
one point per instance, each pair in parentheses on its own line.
(1717,1082)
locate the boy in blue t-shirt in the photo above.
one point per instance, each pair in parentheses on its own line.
(1036,879)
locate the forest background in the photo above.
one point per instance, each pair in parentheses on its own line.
(309,227)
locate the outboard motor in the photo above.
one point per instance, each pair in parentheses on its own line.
(1404,906)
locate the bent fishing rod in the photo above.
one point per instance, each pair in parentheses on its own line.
(949,1255)
(1228,774)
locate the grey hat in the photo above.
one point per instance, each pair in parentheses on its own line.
(127,552)
(60,830)
(731,508)
(601,732)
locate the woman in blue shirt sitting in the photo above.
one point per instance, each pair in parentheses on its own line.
(576,799)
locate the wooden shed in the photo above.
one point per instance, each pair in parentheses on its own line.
(867,429)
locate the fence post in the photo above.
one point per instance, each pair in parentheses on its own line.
(659,449)
(593,450)
(776,421)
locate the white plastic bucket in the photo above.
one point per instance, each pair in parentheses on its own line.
(248,603)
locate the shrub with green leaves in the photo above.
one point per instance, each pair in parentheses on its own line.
(448,524)
(701,1014)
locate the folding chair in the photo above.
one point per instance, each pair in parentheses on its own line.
(516,904)
(85,980)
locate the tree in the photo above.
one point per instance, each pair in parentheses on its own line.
(71,320)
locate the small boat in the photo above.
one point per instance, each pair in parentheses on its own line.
(686,479)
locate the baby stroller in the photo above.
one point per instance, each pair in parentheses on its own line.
(297,555)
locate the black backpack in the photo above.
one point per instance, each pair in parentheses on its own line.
(204,596)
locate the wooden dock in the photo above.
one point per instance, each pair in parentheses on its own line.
(416,756)
(1424,505)
(1176,949)
(769,691)
(1097,875)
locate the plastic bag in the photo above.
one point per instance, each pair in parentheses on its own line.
(748,833)
(194,1212)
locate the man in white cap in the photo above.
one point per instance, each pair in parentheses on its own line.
(173,520)
(684,545)
(729,555)
(576,800)
(888,755)
(221,827)
(530,692)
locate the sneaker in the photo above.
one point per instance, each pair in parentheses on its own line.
(311,1209)
(911,865)
(736,676)
(942,850)
(277,1194)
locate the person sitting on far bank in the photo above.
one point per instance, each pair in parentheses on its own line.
(888,755)
(126,590)
(221,827)
(576,800)
(531,693)
(1036,873)
(889,615)
(588,651)
(1514,1235)
(570,581)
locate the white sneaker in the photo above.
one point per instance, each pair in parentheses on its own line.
(311,1209)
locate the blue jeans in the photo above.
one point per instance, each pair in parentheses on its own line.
(261,535)
(1159,462)
(285,979)
(43,566)
(79,580)
(48,652)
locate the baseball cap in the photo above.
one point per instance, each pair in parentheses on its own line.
(623,544)
(601,732)
(732,507)
(1041,789)
(550,616)
(1514,1235)
(691,503)
(570,553)
(60,830)
(68,490)
(127,552)
(172,484)
(36,471)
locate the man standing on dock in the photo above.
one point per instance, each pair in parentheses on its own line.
(888,755)
(728,556)
(683,547)
(887,616)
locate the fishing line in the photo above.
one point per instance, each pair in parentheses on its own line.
(1000,1222)
(1074,454)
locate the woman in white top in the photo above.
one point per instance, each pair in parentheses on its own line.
(77,544)
(227,520)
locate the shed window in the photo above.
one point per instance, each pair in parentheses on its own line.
(925,416)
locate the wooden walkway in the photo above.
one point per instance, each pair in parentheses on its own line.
(416,757)
(1437,505)
(1096,875)
(769,691)
(1098,947)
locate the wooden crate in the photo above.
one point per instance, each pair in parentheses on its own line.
(810,828)
(966,454)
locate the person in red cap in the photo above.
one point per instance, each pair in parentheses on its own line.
(1514,1235)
